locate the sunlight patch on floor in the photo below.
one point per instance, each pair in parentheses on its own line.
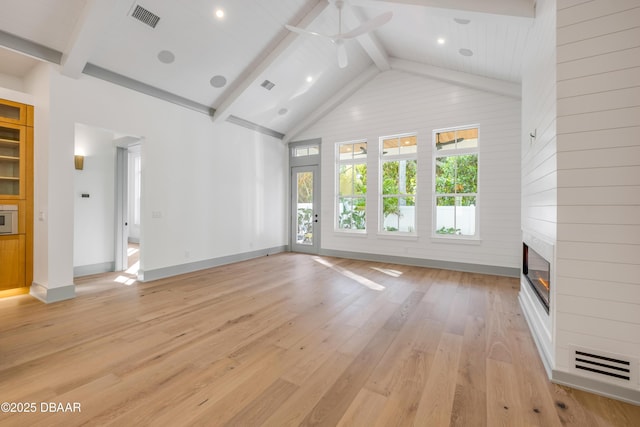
(125,280)
(134,269)
(130,276)
(388,272)
(351,275)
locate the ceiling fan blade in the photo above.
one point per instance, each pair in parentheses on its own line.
(370,25)
(342,54)
(305,32)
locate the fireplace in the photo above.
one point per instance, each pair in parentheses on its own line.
(537,271)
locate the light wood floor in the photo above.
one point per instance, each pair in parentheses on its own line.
(285,340)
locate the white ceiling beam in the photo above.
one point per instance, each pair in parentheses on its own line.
(337,99)
(97,16)
(368,41)
(500,87)
(521,8)
(268,57)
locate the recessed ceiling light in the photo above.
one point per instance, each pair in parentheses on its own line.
(309,79)
(166,57)
(441,40)
(219,13)
(462,21)
(466,52)
(218,81)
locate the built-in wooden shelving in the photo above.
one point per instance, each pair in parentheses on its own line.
(16,189)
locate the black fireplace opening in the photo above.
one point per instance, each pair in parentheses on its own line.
(537,270)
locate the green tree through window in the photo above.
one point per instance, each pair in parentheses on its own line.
(351,200)
(456,181)
(399,182)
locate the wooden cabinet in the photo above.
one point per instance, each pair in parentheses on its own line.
(12,260)
(16,188)
(14,112)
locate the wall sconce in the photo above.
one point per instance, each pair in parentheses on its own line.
(79,162)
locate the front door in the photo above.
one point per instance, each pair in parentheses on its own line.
(305,215)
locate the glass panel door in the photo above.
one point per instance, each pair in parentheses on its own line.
(305,213)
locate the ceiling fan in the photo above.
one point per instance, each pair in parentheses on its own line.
(338,39)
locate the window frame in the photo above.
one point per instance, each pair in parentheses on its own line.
(337,196)
(382,158)
(455,153)
(305,146)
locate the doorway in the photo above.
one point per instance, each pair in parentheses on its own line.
(304,161)
(128,195)
(101,187)
(305,215)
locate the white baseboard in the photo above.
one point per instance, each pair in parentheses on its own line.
(596,387)
(87,270)
(161,273)
(51,295)
(421,262)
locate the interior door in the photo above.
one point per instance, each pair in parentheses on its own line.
(305,215)
(122,210)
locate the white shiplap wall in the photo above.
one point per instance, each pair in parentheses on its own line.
(539,177)
(598,155)
(539,166)
(399,102)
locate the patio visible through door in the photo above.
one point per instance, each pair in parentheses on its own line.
(305,219)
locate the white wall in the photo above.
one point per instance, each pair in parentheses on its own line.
(11,82)
(539,167)
(45,272)
(598,251)
(398,102)
(581,179)
(94,217)
(194,172)
(218,189)
(539,176)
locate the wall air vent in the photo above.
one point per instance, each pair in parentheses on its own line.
(145,16)
(267,85)
(604,366)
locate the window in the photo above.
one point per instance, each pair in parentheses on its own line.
(456,181)
(398,183)
(305,150)
(352,186)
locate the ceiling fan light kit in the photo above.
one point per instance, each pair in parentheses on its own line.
(338,39)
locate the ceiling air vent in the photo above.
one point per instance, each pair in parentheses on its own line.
(145,16)
(604,366)
(267,85)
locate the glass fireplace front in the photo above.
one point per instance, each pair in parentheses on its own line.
(537,271)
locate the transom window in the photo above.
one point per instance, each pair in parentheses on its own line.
(351,181)
(305,150)
(398,183)
(456,182)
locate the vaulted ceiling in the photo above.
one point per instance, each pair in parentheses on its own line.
(218,64)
